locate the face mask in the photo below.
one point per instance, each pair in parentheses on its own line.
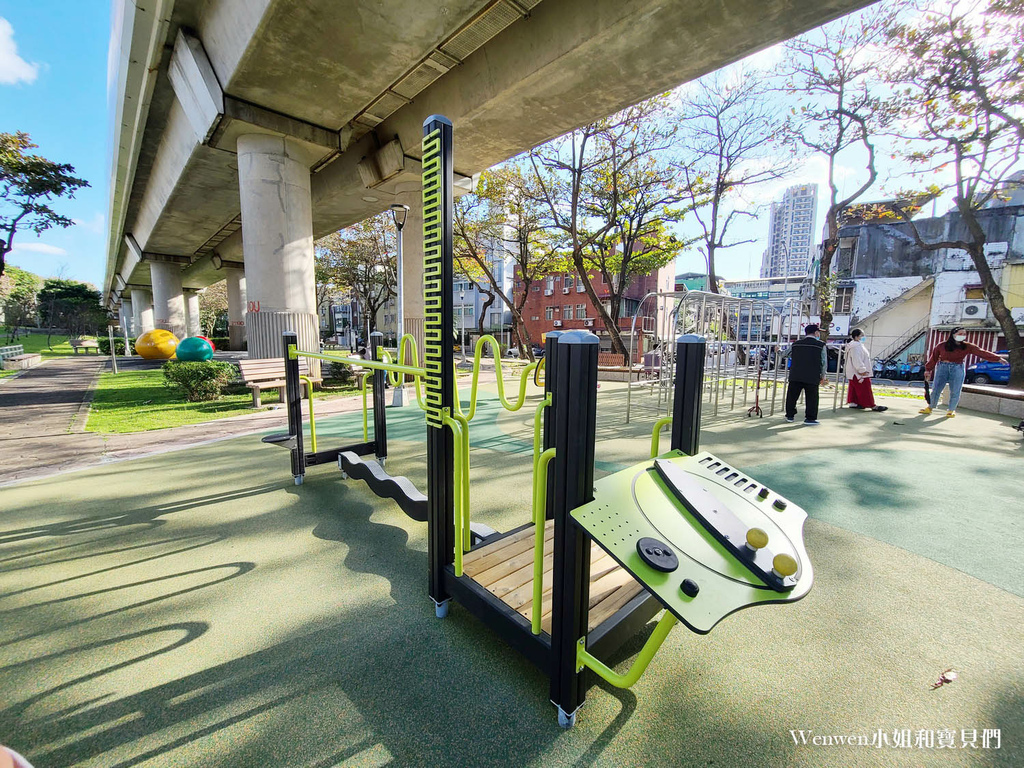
(958,337)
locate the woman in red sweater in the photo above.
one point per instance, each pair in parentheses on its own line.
(946,366)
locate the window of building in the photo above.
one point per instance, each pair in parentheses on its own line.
(580,287)
(549,313)
(844,300)
(567,311)
(468,310)
(974,292)
(581,311)
(569,280)
(550,282)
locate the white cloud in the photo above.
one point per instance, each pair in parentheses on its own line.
(96,225)
(50,250)
(13,68)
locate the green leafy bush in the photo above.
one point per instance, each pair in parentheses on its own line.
(340,373)
(222,343)
(104,342)
(198,380)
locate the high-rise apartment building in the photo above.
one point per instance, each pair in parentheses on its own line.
(791,233)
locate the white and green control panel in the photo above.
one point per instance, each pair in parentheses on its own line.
(703,537)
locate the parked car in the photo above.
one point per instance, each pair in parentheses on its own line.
(984,372)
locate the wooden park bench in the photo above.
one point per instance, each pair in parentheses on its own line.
(85,345)
(258,375)
(21,362)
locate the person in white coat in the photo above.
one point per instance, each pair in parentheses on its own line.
(858,372)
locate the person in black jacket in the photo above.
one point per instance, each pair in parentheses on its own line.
(806,373)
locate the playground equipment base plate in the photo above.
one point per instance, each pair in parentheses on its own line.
(692,514)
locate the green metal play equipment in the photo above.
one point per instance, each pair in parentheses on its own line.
(683,532)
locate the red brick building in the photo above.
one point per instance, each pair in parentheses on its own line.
(559,302)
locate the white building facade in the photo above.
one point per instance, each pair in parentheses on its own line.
(791,233)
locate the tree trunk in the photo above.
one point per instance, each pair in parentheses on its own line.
(609,324)
(1001,313)
(712,280)
(483,313)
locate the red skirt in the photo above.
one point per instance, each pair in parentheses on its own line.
(859,393)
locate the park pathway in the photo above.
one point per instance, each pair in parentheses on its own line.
(42,415)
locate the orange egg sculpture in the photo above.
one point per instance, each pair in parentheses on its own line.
(157,344)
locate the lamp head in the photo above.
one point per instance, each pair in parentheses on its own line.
(398,212)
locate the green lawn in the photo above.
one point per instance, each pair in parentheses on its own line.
(138,401)
(36,343)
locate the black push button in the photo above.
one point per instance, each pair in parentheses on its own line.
(780,504)
(763,493)
(657,554)
(690,587)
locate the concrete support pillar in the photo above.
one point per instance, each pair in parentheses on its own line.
(168,298)
(126,316)
(142,311)
(192,313)
(412,262)
(236,308)
(277,238)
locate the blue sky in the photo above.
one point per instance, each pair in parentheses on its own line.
(54,88)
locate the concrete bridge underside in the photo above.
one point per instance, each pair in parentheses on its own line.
(246,128)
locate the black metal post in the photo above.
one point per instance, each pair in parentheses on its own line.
(438,351)
(380,419)
(550,372)
(689,383)
(574,369)
(293,400)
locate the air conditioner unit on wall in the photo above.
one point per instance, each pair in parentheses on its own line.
(558,323)
(548,291)
(566,290)
(974,310)
(588,323)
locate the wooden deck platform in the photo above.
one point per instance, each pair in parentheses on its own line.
(505,569)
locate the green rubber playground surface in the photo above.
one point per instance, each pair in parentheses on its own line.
(197,608)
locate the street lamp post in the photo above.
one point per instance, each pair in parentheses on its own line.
(399,211)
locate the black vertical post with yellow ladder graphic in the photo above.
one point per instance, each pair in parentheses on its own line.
(438,353)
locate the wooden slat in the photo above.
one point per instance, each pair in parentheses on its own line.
(523,556)
(505,568)
(471,557)
(523,542)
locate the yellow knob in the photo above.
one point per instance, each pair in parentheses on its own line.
(756,538)
(784,565)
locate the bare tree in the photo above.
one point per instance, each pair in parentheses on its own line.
(959,80)
(831,71)
(731,139)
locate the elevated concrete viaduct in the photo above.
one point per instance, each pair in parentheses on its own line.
(244,129)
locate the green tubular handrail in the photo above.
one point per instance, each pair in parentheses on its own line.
(585,659)
(659,425)
(312,418)
(457,454)
(294,353)
(463,489)
(478,354)
(393,377)
(540,503)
